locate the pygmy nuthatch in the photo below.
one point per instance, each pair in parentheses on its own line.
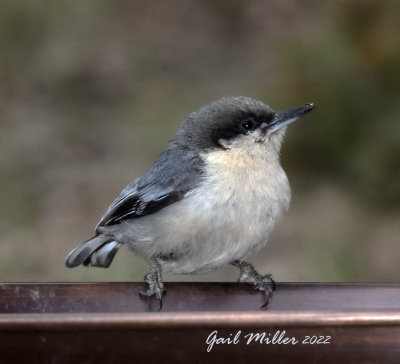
(211,198)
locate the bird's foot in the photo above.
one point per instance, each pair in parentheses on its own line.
(155,287)
(264,283)
(154,280)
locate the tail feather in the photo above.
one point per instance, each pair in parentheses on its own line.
(103,256)
(82,253)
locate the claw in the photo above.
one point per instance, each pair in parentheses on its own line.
(149,293)
(267,288)
(146,292)
(273,283)
(263,283)
(269,299)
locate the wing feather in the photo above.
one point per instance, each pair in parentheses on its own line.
(176,171)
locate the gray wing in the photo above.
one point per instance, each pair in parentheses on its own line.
(176,171)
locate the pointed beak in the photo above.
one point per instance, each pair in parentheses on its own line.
(288,116)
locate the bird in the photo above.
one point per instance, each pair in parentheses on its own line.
(211,198)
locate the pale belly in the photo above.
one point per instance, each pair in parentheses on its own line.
(214,224)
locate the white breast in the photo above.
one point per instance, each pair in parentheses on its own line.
(228,216)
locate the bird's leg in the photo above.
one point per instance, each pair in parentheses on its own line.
(154,281)
(263,283)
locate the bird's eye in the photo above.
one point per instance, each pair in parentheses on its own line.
(248,124)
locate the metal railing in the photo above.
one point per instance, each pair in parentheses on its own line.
(199,322)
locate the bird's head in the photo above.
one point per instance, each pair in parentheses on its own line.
(237,122)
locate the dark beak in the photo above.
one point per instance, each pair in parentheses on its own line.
(286,117)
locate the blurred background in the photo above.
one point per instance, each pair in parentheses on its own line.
(91,92)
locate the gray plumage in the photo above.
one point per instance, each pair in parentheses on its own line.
(211,198)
